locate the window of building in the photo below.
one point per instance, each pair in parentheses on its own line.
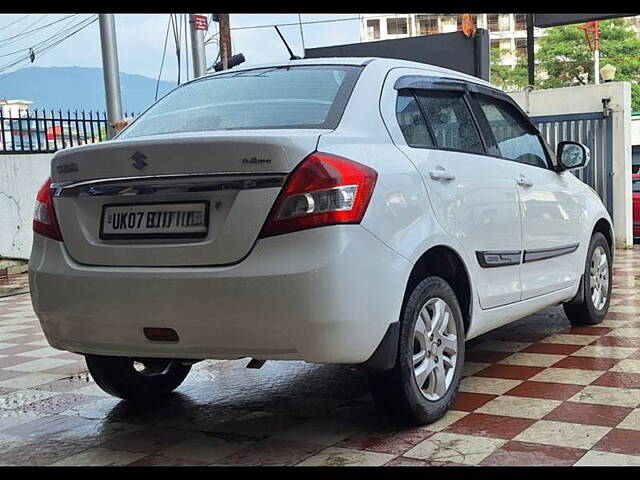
(427,24)
(397,26)
(516,137)
(449,23)
(504,21)
(450,121)
(521,47)
(492,22)
(373,29)
(412,123)
(521,21)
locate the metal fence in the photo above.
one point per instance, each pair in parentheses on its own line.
(595,130)
(40,131)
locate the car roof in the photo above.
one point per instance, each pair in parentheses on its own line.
(360,61)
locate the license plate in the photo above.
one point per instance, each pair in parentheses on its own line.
(155,220)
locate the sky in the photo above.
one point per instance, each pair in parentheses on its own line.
(141,40)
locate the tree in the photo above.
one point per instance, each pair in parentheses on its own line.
(566,60)
(509,78)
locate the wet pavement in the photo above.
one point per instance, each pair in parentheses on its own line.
(535,392)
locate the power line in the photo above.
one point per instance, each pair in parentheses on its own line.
(26,32)
(17,21)
(63,30)
(79,27)
(16,38)
(164,52)
(312,22)
(186,42)
(176,37)
(301,33)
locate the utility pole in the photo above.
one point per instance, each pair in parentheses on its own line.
(531,54)
(197,44)
(111,73)
(596,52)
(225,39)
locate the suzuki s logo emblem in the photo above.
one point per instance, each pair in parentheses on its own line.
(138,160)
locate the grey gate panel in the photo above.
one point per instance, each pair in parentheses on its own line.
(595,130)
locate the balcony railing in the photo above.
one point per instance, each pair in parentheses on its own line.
(40,131)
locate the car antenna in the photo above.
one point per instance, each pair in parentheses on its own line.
(292,57)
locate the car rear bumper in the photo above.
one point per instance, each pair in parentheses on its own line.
(323,295)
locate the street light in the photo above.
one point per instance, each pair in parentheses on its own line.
(608,72)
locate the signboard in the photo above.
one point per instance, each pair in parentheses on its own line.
(449,50)
(200,22)
(544,20)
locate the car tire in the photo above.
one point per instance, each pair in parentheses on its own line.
(592,309)
(118,376)
(397,391)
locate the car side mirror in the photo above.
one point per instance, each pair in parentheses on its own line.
(572,155)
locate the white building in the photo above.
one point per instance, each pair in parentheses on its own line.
(507,31)
(10,111)
(14,108)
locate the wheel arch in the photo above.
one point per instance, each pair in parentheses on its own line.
(603,225)
(445,262)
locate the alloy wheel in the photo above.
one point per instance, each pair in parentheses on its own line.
(435,349)
(599,278)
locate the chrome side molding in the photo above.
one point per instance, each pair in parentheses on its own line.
(168,184)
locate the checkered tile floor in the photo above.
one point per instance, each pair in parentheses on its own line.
(536,392)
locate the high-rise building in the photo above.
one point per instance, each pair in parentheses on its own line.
(507,31)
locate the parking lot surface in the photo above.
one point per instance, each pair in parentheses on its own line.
(536,392)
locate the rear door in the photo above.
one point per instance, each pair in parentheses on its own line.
(473,194)
(552,209)
(191,181)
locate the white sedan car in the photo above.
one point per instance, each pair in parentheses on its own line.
(353,210)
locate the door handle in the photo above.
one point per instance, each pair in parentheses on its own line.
(524,181)
(441,174)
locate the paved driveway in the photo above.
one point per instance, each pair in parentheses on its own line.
(534,392)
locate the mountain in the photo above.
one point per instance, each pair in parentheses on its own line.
(77,88)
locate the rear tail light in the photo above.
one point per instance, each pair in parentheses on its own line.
(323,190)
(44,216)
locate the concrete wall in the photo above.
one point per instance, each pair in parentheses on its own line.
(585,99)
(21,176)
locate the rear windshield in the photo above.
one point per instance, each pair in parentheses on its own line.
(282,97)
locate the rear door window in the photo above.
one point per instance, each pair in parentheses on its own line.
(281,97)
(450,120)
(412,123)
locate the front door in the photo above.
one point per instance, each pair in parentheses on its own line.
(552,212)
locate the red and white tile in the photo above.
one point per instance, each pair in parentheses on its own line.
(536,392)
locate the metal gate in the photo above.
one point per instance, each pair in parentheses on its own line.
(595,130)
